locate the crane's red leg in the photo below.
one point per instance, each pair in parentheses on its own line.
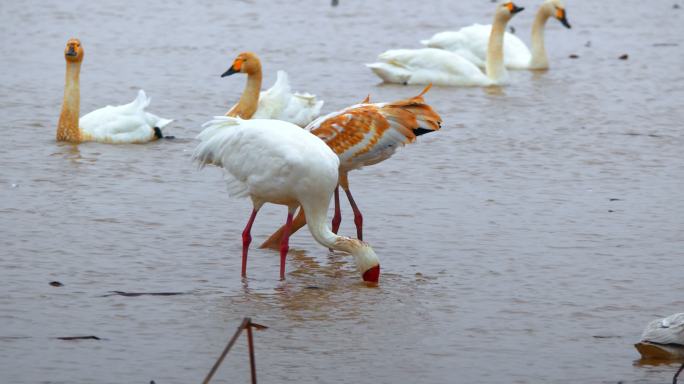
(337,218)
(358,218)
(246,240)
(285,242)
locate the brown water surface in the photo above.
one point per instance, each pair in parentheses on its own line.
(543,215)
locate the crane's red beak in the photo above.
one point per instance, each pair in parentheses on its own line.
(372,275)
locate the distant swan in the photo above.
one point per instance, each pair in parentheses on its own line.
(663,339)
(437,66)
(278,102)
(471,42)
(127,123)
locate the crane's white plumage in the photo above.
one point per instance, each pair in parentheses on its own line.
(271,160)
(428,65)
(280,103)
(128,123)
(471,44)
(278,162)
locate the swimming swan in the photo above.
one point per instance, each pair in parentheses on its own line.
(278,102)
(437,66)
(471,42)
(663,339)
(127,123)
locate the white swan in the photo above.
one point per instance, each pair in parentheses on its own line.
(127,123)
(278,102)
(437,66)
(663,338)
(273,161)
(471,42)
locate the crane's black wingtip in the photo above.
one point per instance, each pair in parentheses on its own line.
(421,131)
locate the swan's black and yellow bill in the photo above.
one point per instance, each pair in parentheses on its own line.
(514,8)
(229,72)
(562,17)
(235,68)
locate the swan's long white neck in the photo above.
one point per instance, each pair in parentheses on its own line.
(67,127)
(316,219)
(539,59)
(495,68)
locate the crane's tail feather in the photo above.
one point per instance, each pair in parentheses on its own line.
(273,242)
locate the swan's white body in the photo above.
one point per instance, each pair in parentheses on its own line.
(663,338)
(128,123)
(280,103)
(274,161)
(669,330)
(471,44)
(429,65)
(437,66)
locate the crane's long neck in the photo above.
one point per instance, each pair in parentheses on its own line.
(496,70)
(539,59)
(316,219)
(67,127)
(249,101)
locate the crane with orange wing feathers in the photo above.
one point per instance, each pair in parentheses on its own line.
(366,134)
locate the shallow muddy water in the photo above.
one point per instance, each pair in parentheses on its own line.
(529,241)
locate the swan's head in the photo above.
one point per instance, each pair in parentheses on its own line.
(506,10)
(556,8)
(73,52)
(246,62)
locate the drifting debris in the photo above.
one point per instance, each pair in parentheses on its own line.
(136,294)
(56,284)
(588,44)
(72,338)
(574,56)
(624,57)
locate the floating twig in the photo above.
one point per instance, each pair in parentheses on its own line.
(72,338)
(136,294)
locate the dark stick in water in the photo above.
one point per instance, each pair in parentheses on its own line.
(245,325)
(674,379)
